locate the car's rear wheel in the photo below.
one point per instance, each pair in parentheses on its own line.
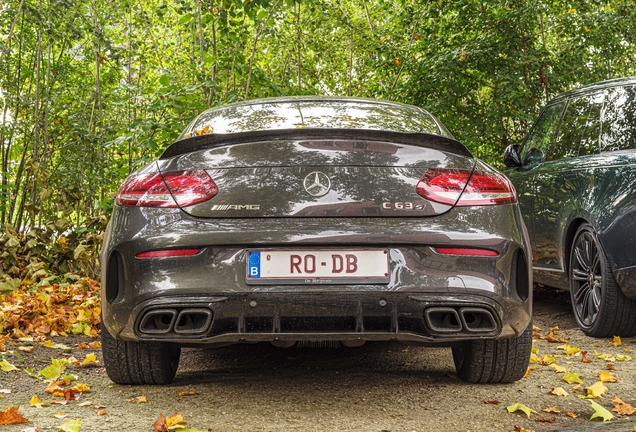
(494,361)
(600,307)
(139,362)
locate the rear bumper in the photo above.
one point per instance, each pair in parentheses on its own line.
(414,317)
(212,286)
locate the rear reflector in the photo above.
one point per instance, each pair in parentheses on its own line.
(168,253)
(466,251)
(170,189)
(465,188)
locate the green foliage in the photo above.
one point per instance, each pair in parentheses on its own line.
(91,90)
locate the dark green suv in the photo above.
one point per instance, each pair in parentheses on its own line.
(575,176)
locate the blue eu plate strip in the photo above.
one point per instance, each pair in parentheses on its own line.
(254,265)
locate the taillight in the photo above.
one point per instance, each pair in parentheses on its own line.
(168,253)
(466,251)
(170,189)
(461,188)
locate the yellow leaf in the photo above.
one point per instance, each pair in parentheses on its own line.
(572,378)
(548,359)
(596,390)
(90,358)
(559,391)
(601,412)
(6,366)
(175,421)
(621,357)
(520,407)
(535,328)
(557,368)
(533,358)
(36,402)
(569,349)
(607,377)
(137,400)
(617,342)
(49,343)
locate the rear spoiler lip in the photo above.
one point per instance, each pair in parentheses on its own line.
(203,142)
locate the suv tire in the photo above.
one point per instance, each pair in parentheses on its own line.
(600,307)
(494,361)
(139,362)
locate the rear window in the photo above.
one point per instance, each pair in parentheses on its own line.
(619,119)
(313,114)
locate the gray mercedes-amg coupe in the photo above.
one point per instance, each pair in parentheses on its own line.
(316,219)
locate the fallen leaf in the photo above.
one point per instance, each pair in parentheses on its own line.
(621,357)
(58,402)
(559,391)
(569,349)
(520,407)
(137,400)
(83,404)
(520,429)
(596,390)
(36,402)
(160,424)
(572,378)
(610,366)
(553,410)
(533,358)
(95,344)
(617,342)
(557,368)
(576,387)
(606,357)
(535,328)
(6,366)
(545,420)
(492,402)
(101,413)
(175,421)
(601,412)
(186,393)
(555,328)
(11,416)
(71,426)
(622,408)
(397,415)
(60,415)
(571,414)
(26,348)
(607,377)
(596,345)
(584,358)
(548,359)
(5,391)
(90,358)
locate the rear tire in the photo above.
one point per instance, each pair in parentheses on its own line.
(494,361)
(139,362)
(600,307)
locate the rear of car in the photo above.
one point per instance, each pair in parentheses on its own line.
(307,219)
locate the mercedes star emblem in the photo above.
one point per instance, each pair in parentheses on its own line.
(317,184)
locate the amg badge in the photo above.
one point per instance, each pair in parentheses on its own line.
(236,207)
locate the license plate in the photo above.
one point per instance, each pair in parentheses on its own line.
(351,266)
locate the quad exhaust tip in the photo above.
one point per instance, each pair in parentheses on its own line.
(466,320)
(189,321)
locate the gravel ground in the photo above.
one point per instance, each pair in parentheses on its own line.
(377,387)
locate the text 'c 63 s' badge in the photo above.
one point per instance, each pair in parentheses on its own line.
(236,207)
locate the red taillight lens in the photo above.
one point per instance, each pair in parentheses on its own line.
(484,188)
(466,251)
(170,189)
(167,253)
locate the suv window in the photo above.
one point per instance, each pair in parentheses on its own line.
(539,141)
(619,120)
(580,128)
